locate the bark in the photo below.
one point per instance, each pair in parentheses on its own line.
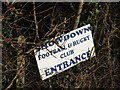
(20,81)
(78,15)
(36,22)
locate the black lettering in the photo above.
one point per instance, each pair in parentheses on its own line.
(59,65)
(72,62)
(53,69)
(82,56)
(47,72)
(77,58)
(72,35)
(86,29)
(66,37)
(65,64)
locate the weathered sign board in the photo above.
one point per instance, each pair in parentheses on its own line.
(77,46)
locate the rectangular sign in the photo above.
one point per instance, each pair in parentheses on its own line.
(65,52)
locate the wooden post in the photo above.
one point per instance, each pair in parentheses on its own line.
(20,81)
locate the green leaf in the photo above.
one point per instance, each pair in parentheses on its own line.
(97,11)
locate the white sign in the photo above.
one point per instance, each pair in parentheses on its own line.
(65,52)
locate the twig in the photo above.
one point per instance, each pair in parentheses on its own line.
(36,23)
(78,17)
(13,80)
